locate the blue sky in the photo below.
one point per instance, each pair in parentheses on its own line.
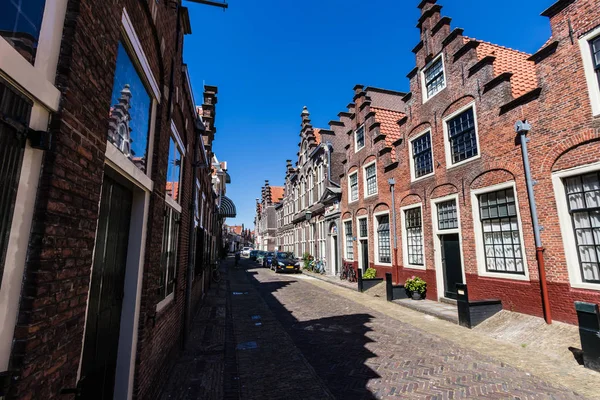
(271,57)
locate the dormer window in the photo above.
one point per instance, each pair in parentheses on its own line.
(359,138)
(434,79)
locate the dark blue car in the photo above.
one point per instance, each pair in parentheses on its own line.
(268,259)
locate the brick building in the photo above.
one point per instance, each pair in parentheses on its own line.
(110,214)
(308,216)
(265,220)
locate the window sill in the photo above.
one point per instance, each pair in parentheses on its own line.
(510,277)
(382,264)
(589,286)
(371,195)
(450,166)
(165,302)
(119,161)
(413,180)
(426,99)
(357,150)
(416,267)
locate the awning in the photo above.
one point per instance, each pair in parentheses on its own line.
(227,178)
(227,208)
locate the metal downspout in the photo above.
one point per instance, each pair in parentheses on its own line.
(392,183)
(522,128)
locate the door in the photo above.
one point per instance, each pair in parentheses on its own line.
(106,293)
(334,255)
(451,263)
(364,254)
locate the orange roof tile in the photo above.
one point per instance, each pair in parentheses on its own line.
(388,121)
(524,78)
(317,132)
(173,189)
(237,229)
(277,193)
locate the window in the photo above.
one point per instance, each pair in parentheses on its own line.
(169,253)
(383,239)
(421,156)
(353,183)
(349,241)
(362,228)
(20,25)
(311,183)
(414,236)
(595,48)
(447,216)
(359,137)
(501,236)
(434,78)
(371,180)
(583,199)
(462,136)
(174,170)
(130,111)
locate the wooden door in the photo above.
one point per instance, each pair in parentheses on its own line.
(451,262)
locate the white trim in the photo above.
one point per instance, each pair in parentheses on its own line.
(411,157)
(164,302)
(376,237)
(356,149)
(426,98)
(439,268)
(358,240)
(365,194)
(125,167)
(479,246)
(447,146)
(139,52)
(588,68)
(178,140)
(344,236)
(350,188)
(566,225)
(172,203)
(405,238)
(51,31)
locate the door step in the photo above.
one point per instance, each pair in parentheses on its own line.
(448,301)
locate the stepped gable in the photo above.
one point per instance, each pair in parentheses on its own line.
(388,121)
(277,193)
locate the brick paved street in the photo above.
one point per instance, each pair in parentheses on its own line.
(296,340)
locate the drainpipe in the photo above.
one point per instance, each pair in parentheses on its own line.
(392,183)
(522,128)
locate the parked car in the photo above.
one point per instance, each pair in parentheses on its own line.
(267,259)
(246,251)
(253,255)
(260,256)
(285,262)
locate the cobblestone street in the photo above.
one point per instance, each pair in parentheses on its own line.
(293,339)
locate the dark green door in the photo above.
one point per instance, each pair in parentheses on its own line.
(451,263)
(106,293)
(364,251)
(335,256)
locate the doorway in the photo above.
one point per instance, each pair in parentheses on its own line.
(364,255)
(101,341)
(334,255)
(451,263)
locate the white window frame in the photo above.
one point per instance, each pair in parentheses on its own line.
(437,245)
(345,244)
(350,188)
(359,238)
(376,238)
(413,177)
(356,148)
(405,238)
(364,168)
(426,98)
(588,68)
(566,225)
(478,230)
(447,145)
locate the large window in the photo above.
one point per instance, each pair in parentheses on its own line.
(353,183)
(595,47)
(422,156)
(349,241)
(583,198)
(447,215)
(174,170)
(20,24)
(383,239)
(363,231)
(359,137)
(434,78)
(169,253)
(130,111)
(462,135)
(370,180)
(414,236)
(501,236)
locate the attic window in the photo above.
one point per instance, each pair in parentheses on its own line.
(434,78)
(359,137)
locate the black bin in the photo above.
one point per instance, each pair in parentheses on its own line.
(589,332)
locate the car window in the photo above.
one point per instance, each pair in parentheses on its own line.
(270,254)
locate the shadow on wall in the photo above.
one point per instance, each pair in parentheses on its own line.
(334,346)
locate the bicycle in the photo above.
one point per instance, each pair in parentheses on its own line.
(348,273)
(215,272)
(319,267)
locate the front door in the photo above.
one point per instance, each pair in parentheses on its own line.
(364,253)
(451,263)
(106,293)
(334,255)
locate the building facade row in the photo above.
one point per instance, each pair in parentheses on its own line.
(434,182)
(112,200)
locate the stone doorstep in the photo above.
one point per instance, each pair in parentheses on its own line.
(334,280)
(436,309)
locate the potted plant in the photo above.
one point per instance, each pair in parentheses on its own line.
(417,287)
(370,273)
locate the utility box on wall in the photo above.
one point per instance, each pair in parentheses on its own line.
(589,332)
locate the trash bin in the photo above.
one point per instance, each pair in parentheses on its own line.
(589,332)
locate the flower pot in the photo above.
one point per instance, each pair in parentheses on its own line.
(417,296)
